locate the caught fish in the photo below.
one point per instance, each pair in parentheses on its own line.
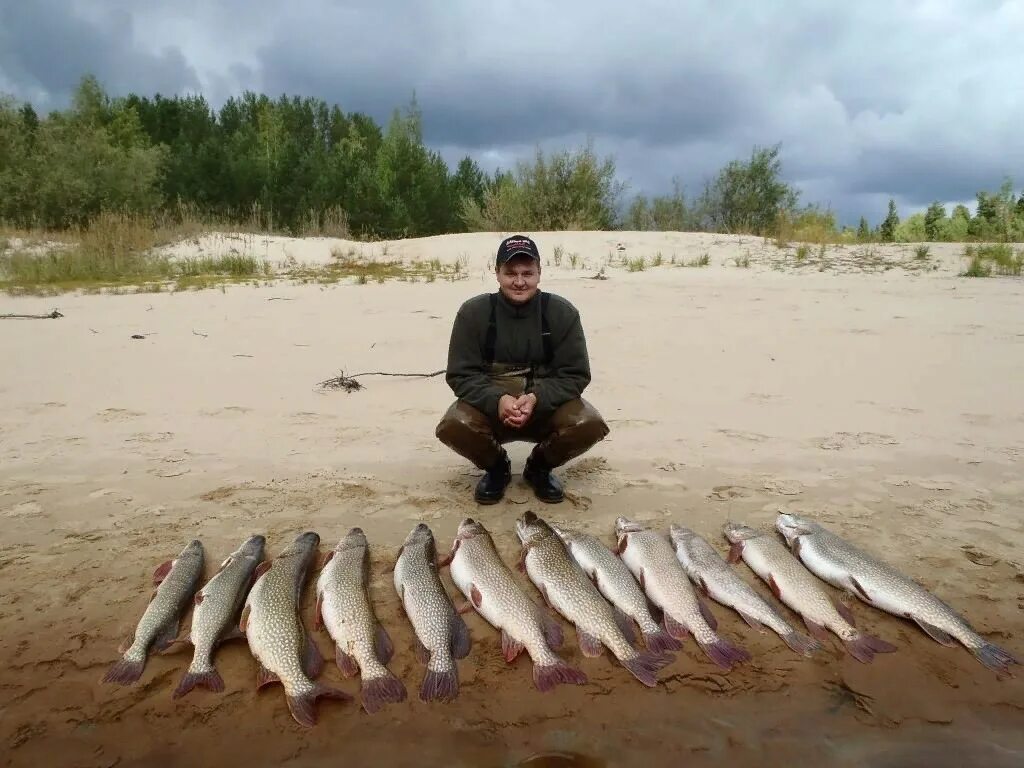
(277,638)
(215,616)
(175,581)
(488,584)
(796,587)
(441,634)
(720,582)
(651,559)
(362,645)
(877,583)
(613,579)
(569,590)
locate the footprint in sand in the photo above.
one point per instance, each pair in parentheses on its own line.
(230,410)
(149,437)
(43,407)
(738,434)
(838,441)
(119,495)
(25,509)
(118,414)
(730,492)
(782,487)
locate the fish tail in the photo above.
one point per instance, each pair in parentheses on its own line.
(645,664)
(660,641)
(125,671)
(724,653)
(440,684)
(547,676)
(801,643)
(209,679)
(303,708)
(864,647)
(378,691)
(995,658)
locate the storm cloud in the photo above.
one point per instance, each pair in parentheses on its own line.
(916,100)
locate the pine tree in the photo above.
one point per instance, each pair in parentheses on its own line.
(888,228)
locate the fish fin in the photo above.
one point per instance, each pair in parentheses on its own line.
(421,650)
(751,621)
(464,607)
(801,643)
(265,677)
(318,612)
(620,545)
(166,637)
(859,590)
(640,578)
(440,685)
(724,653)
(126,644)
(175,646)
(547,676)
(346,663)
(817,630)
(589,645)
(231,633)
(936,634)
(775,587)
(795,546)
(675,629)
(382,644)
(312,659)
(625,626)
(124,671)
(709,617)
(544,594)
(844,611)
(475,596)
(735,552)
(864,647)
(702,586)
(161,571)
(551,627)
(461,641)
(521,562)
(378,691)
(198,599)
(447,559)
(661,641)
(211,680)
(510,647)
(303,708)
(243,622)
(593,578)
(995,658)
(656,613)
(645,665)
(261,569)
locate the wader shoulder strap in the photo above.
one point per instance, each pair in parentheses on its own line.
(492,330)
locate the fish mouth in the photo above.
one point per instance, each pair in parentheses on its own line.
(254,545)
(469,528)
(308,538)
(680,533)
(792,527)
(735,532)
(625,525)
(354,538)
(420,533)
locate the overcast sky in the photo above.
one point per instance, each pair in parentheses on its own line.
(919,100)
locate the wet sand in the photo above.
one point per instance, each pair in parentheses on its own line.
(885,405)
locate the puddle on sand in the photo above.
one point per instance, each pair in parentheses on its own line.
(560,760)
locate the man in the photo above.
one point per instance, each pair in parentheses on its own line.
(518,364)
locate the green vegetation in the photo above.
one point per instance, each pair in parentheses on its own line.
(998,258)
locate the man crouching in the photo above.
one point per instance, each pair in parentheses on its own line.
(518,364)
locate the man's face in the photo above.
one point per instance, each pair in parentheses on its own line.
(518,279)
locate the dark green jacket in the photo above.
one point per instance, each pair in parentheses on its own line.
(518,343)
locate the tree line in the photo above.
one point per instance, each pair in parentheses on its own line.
(301,166)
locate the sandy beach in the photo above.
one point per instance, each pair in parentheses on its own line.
(873,391)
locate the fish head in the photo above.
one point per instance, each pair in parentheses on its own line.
(354,539)
(302,547)
(737,532)
(623,527)
(421,534)
(469,528)
(532,529)
(567,535)
(194,549)
(681,535)
(252,548)
(792,527)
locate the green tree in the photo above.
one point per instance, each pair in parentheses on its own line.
(887,230)
(748,196)
(933,219)
(863,230)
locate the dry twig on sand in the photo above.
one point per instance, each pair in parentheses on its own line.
(349,383)
(52,316)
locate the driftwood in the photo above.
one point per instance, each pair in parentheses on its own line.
(349,383)
(52,316)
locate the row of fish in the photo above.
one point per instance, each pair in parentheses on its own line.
(646,581)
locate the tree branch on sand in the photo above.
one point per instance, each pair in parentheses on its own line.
(349,383)
(52,316)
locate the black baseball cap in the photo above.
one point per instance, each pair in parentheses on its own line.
(516,245)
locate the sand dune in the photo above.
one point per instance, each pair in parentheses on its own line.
(874,391)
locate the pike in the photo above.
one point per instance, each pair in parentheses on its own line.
(285,651)
(721,583)
(488,584)
(440,632)
(362,645)
(214,617)
(613,579)
(796,587)
(651,559)
(175,581)
(569,590)
(879,584)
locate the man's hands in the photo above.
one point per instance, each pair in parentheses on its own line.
(515,412)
